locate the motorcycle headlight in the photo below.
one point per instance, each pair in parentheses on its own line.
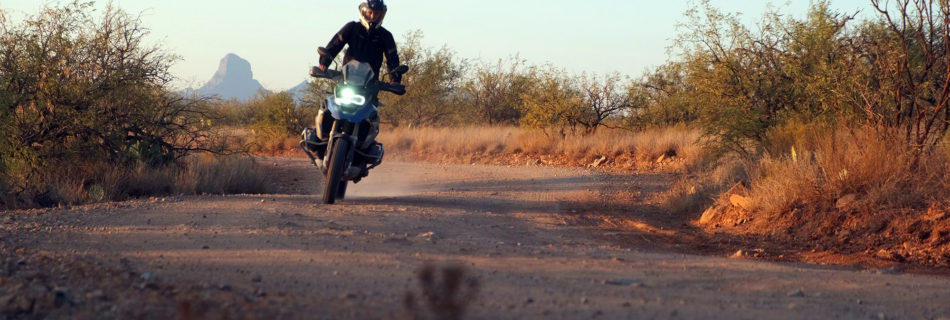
(349,96)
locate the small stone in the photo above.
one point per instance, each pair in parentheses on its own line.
(621,282)
(797,293)
(889,271)
(96,295)
(846,201)
(257,278)
(430,234)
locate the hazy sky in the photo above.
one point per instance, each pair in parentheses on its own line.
(280,37)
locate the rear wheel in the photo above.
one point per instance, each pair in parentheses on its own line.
(335,172)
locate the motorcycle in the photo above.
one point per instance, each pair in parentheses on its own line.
(343,146)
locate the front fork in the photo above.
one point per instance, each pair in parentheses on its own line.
(342,129)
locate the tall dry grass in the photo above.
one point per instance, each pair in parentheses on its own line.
(98,182)
(875,166)
(815,166)
(516,145)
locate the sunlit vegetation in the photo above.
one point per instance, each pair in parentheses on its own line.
(834,127)
(86,112)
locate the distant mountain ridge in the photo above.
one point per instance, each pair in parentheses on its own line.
(299,91)
(233,80)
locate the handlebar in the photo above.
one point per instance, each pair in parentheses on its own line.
(326,74)
(396,88)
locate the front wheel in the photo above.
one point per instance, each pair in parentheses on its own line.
(335,172)
(341,190)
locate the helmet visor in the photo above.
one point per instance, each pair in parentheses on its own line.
(373,15)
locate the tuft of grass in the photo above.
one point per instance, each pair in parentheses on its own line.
(446,293)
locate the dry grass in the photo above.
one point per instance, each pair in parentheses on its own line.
(221,175)
(677,146)
(846,191)
(819,167)
(873,165)
(97,182)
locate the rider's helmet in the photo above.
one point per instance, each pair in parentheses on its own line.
(372,13)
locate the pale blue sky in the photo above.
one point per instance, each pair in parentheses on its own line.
(280,37)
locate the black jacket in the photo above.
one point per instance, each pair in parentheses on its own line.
(365,46)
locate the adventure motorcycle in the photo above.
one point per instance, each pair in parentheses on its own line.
(344,145)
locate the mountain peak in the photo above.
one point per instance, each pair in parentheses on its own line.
(234,66)
(233,80)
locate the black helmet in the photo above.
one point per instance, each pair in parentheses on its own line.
(372,13)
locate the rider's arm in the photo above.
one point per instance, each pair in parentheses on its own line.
(392,55)
(336,44)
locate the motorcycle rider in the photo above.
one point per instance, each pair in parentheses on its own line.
(368,42)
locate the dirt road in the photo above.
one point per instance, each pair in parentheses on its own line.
(523,243)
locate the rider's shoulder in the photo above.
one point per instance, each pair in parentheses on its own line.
(385,32)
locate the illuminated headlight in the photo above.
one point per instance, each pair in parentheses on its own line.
(348,96)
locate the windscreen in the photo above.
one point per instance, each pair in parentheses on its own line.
(357,73)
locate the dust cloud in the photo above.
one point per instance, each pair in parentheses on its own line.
(394,180)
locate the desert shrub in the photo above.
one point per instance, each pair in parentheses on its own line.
(662,98)
(493,93)
(553,103)
(275,120)
(81,93)
(434,78)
